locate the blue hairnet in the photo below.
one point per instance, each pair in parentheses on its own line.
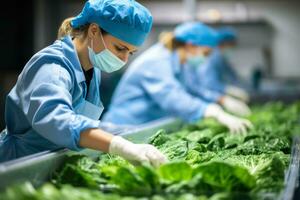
(196,33)
(226,34)
(126,20)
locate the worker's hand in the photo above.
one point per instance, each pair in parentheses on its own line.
(234,124)
(237,92)
(235,106)
(136,153)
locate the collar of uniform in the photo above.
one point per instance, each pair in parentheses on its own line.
(71,54)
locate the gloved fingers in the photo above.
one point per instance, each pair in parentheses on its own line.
(238,128)
(143,158)
(227,124)
(232,129)
(160,157)
(152,158)
(155,158)
(138,159)
(140,153)
(242,129)
(248,124)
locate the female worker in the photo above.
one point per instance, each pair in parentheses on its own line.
(209,79)
(154,87)
(56,101)
(218,73)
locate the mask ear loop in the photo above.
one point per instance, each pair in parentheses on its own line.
(92,44)
(102,39)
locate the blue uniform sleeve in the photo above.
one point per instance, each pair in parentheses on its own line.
(164,89)
(193,83)
(229,73)
(211,73)
(205,93)
(50,108)
(217,72)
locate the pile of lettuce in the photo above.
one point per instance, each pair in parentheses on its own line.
(206,162)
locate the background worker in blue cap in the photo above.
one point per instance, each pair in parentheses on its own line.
(218,74)
(56,100)
(214,79)
(154,87)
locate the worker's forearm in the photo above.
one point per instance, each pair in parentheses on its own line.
(95,139)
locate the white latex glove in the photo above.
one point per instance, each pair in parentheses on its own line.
(237,92)
(136,153)
(235,106)
(235,124)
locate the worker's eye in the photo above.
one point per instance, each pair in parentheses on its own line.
(120,49)
(123,50)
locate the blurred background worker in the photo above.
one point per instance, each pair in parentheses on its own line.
(154,87)
(213,79)
(218,74)
(56,100)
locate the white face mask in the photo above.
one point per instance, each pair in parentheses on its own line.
(196,60)
(228,53)
(105,60)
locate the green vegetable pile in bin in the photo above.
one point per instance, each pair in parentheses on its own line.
(206,162)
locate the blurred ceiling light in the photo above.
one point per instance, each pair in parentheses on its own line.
(213,15)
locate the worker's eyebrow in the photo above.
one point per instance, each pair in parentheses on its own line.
(125,47)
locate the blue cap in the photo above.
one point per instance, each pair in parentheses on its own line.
(226,34)
(126,20)
(196,33)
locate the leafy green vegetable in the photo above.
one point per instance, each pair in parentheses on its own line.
(159,138)
(175,172)
(226,177)
(80,171)
(203,136)
(130,182)
(216,143)
(175,150)
(206,162)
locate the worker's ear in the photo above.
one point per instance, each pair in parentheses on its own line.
(93,31)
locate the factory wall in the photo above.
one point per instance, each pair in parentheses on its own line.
(275,43)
